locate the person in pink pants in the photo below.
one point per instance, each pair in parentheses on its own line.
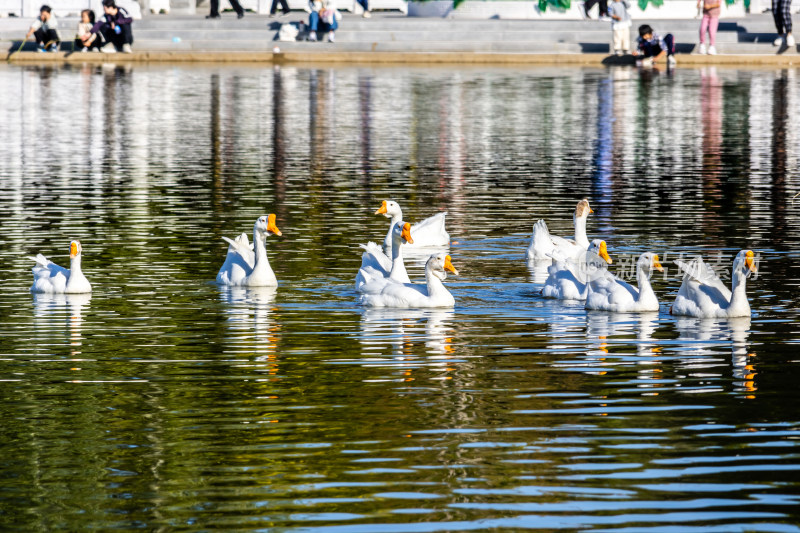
(710,23)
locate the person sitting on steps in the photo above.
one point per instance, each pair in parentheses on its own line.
(324,17)
(45,30)
(115,28)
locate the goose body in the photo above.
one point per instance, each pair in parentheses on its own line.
(425,234)
(50,278)
(246,265)
(702,294)
(377,269)
(544,245)
(405,295)
(569,280)
(609,293)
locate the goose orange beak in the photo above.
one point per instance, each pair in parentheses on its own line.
(749,260)
(406,233)
(656,264)
(604,252)
(74,249)
(448,265)
(271,225)
(382,209)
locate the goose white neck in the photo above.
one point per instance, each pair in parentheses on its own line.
(398,266)
(262,262)
(739,293)
(435,285)
(646,293)
(580,231)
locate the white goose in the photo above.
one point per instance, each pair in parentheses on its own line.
(426,233)
(433,294)
(377,269)
(242,266)
(544,245)
(609,293)
(569,280)
(50,278)
(703,295)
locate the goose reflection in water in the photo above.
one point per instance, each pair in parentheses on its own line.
(49,317)
(403,330)
(603,330)
(253,330)
(704,334)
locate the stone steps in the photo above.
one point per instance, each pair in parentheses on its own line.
(394,32)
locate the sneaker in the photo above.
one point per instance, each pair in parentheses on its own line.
(604,18)
(53,48)
(240,15)
(312,36)
(126,49)
(778,41)
(617,52)
(273,15)
(109,49)
(790,40)
(331,37)
(85,49)
(366,14)
(671,61)
(712,50)
(213,16)
(702,50)
(647,62)
(96,50)
(582,11)
(41,49)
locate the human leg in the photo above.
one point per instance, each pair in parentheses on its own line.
(704,28)
(365,5)
(214,13)
(237,7)
(626,40)
(669,40)
(777,15)
(713,24)
(603,9)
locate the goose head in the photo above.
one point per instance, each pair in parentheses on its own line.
(744,263)
(648,262)
(266,225)
(439,265)
(401,234)
(598,247)
(389,209)
(75,249)
(582,210)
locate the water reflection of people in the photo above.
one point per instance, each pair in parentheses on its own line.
(48,306)
(401,330)
(253,330)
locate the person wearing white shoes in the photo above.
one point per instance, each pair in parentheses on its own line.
(365,5)
(652,47)
(115,28)
(710,23)
(782,13)
(324,17)
(45,30)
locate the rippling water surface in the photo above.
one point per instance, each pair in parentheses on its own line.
(162,401)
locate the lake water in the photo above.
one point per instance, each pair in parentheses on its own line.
(163,402)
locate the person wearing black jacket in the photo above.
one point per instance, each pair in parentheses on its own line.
(115,28)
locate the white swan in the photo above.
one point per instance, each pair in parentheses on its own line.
(703,295)
(50,278)
(609,293)
(543,245)
(426,233)
(377,269)
(433,294)
(569,280)
(244,267)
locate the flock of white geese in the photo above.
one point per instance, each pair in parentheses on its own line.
(577,270)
